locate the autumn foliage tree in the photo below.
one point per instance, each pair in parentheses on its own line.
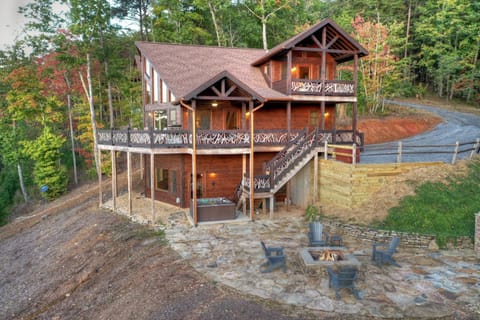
(376,68)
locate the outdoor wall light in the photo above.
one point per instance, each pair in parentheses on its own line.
(214,104)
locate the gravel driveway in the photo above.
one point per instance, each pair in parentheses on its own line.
(456,126)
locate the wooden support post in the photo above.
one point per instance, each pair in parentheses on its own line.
(322,111)
(325,155)
(251,163)
(288,195)
(264,205)
(129,181)
(272,205)
(354,111)
(289,118)
(354,154)
(455,152)
(399,152)
(476,148)
(194,165)
(100,193)
(315,178)
(152,186)
(114,180)
(244,174)
(142,167)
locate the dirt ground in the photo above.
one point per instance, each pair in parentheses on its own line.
(71,260)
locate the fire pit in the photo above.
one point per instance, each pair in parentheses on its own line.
(328,256)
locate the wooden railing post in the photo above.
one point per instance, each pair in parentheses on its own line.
(399,152)
(128,137)
(354,154)
(455,152)
(326,149)
(476,148)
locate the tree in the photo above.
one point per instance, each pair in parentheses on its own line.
(378,65)
(47,171)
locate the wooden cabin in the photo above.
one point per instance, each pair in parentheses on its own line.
(231,125)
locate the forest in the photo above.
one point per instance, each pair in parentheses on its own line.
(73,70)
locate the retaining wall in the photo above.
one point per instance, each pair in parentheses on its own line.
(349,186)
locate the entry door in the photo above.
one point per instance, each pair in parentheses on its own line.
(231,119)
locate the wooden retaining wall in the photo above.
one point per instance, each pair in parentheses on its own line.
(346,185)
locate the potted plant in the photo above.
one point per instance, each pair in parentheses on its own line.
(315,235)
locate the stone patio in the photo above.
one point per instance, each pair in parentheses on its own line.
(429,284)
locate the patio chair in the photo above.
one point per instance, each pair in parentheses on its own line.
(275,258)
(385,256)
(316,237)
(344,278)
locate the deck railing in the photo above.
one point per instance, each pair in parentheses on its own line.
(341,88)
(209,139)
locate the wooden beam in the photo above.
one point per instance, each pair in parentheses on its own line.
(315,177)
(222,85)
(223,98)
(219,94)
(251,173)
(229,92)
(355,81)
(194,165)
(332,42)
(129,181)
(152,186)
(244,174)
(99,174)
(114,180)
(318,43)
(289,72)
(289,117)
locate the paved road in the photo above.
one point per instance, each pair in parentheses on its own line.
(457,126)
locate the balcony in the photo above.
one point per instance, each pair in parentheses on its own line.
(212,139)
(339,88)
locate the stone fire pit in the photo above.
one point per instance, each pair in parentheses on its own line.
(310,256)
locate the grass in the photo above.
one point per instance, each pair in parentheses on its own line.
(442,209)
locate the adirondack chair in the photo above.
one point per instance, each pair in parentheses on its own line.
(344,278)
(381,256)
(275,258)
(316,236)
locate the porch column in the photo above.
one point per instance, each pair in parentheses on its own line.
(355,81)
(152,186)
(288,196)
(251,173)
(244,174)
(322,111)
(289,72)
(114,180)
(99,174)
(244,118)
(315,178)
(194,164)
(272,204)
(142,167)
(289,117)
(129,181)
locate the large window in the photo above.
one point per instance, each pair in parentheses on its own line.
(160,120)
(161,181)
(231,120)
(203,119)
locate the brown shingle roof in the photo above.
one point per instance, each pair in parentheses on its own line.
(185,68)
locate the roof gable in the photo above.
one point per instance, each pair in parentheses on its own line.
(186,68)
(336,39)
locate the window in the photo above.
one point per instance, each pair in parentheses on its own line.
(161,182)
(231,120)
(160,120)
(304,72)
(203,119)
(313,118)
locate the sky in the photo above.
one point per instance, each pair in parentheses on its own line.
(11,22)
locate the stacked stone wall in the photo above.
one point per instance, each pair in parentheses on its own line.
(410,240)
(477,233)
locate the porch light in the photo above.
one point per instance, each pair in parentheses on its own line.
(327,114)
(293,69)
(214,104)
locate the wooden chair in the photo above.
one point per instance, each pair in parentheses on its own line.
(344,278)
(275,258)
(316,236)
(385,256)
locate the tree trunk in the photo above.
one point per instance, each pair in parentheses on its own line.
(264,34)
(89,93)
(22,183)
(72,139)
(215,23)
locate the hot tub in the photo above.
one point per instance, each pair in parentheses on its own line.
(214,209)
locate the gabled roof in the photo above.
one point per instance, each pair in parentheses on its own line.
(344,42)
(225,75)
(186,68)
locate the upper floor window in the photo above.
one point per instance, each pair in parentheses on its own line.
(203,120)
